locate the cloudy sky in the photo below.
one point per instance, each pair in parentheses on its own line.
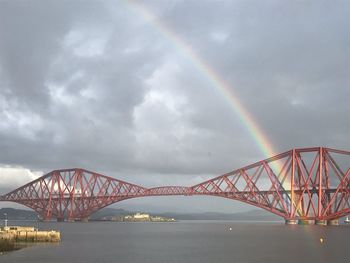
(109,86)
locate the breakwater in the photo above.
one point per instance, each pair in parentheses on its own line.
(28,234)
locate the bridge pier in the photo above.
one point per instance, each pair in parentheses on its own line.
(291,221)
(320,222)
(333,222)
(83,219)
(305,222)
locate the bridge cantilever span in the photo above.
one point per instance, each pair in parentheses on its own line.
(169,190)
(300,184)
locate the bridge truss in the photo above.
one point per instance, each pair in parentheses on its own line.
(300,184)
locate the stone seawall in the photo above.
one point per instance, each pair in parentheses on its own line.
(29,234)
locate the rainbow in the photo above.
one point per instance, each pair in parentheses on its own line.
(261,140)
(263,143)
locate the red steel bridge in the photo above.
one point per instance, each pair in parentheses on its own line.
(305,185)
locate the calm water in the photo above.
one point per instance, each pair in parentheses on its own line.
(188,242)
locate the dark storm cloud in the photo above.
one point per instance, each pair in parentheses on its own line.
(288,62)
(65,67)
(94,84)
(30,38)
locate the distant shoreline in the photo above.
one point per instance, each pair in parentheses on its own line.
(108,213)
(136,217)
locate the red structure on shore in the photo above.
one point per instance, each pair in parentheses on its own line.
(309,184)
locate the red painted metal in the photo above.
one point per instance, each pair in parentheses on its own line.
(308,184)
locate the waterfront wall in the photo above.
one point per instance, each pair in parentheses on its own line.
(19,234)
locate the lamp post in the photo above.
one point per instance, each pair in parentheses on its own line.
(5,214)
(37,227)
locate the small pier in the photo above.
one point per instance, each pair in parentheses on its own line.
(28,234)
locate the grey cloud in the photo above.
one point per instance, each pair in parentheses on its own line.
(94,84)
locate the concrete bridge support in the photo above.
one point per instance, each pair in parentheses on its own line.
(321,222)
(306,222)
(333,222)
(291,221)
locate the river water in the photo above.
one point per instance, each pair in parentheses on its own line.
(188,241)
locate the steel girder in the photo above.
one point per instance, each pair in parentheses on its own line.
(72,193)
(308,183)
